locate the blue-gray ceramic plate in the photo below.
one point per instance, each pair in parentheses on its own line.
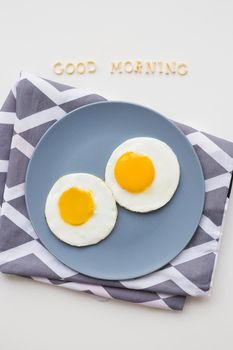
(82,141)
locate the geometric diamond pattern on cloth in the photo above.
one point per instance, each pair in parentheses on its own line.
(33,101)
(26,266)
(192,270)
(31,107)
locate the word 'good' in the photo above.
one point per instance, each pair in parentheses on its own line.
(71,68)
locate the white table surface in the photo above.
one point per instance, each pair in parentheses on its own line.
(36,34)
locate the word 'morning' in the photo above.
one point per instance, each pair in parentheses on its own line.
(149,67)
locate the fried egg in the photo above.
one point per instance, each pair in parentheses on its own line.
(143,174)
(80,209)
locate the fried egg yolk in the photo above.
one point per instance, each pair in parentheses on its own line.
(134,172)
(76,206)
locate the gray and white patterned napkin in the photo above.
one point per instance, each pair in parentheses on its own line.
(31,107)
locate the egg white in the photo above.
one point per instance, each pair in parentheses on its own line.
(99,225)
(164,185)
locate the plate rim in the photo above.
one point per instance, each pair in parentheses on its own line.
(67,115)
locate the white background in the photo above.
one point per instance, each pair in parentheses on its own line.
(36,34)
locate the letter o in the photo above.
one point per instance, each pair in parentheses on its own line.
(69,68)
(80,68)
(127,63)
